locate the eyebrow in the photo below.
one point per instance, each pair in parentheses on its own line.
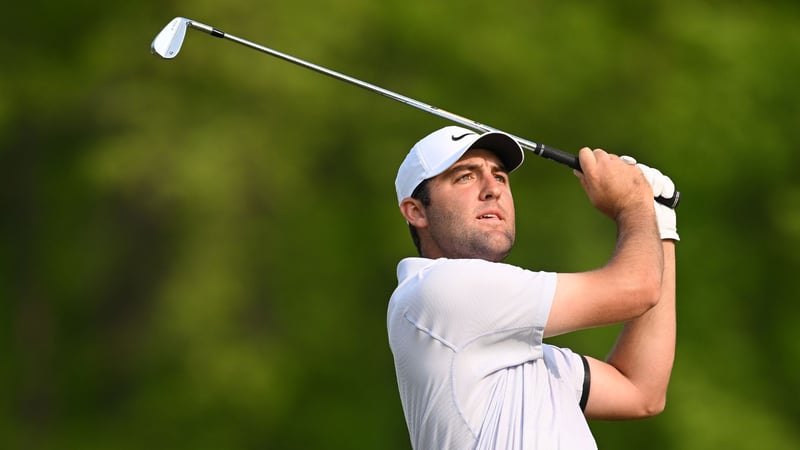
(471,167)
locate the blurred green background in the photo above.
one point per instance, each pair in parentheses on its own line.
(198,253)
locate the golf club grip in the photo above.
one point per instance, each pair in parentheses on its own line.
(572,161)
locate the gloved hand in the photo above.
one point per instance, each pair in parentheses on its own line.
(662,186)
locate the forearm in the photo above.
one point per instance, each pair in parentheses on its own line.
(638,257)
(625,288)
(630,283)
(645,350)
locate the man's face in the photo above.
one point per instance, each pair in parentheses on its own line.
(471,214)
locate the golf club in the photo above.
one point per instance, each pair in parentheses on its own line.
(168,43)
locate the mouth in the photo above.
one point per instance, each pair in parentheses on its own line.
(490,215)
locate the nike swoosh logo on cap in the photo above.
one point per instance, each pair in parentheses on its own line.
(458,138)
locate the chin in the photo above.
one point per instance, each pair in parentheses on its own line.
(498,257)
(496,253)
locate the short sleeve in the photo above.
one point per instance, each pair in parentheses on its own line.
(459,300)
(492,314)
(571,367)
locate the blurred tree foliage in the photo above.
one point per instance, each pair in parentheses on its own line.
(198,253)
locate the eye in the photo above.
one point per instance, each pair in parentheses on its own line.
(501,177)
(464,177)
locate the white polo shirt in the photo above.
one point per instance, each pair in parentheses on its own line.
(466,335)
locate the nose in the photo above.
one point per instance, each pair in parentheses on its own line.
(491,189)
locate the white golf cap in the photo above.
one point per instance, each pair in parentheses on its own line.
(439,150)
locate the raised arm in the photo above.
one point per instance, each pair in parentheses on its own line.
(633,381)
(630,283)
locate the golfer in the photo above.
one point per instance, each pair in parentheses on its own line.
(466,330)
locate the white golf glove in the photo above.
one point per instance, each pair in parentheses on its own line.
(662,187)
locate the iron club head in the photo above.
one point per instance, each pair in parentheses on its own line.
(168,42)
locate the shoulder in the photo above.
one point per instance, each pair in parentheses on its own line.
(473,270)
(469,277)
(457,282)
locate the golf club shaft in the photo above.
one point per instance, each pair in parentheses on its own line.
(542,150)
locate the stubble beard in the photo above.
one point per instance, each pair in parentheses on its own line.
(457,239)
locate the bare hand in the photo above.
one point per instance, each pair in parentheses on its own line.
(612,185)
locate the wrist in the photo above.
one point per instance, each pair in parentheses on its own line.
(637,219)
(637,211)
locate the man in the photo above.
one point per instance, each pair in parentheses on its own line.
(466,329)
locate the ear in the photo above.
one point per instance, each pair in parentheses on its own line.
(414,212)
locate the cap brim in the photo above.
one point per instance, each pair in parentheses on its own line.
(504,146)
